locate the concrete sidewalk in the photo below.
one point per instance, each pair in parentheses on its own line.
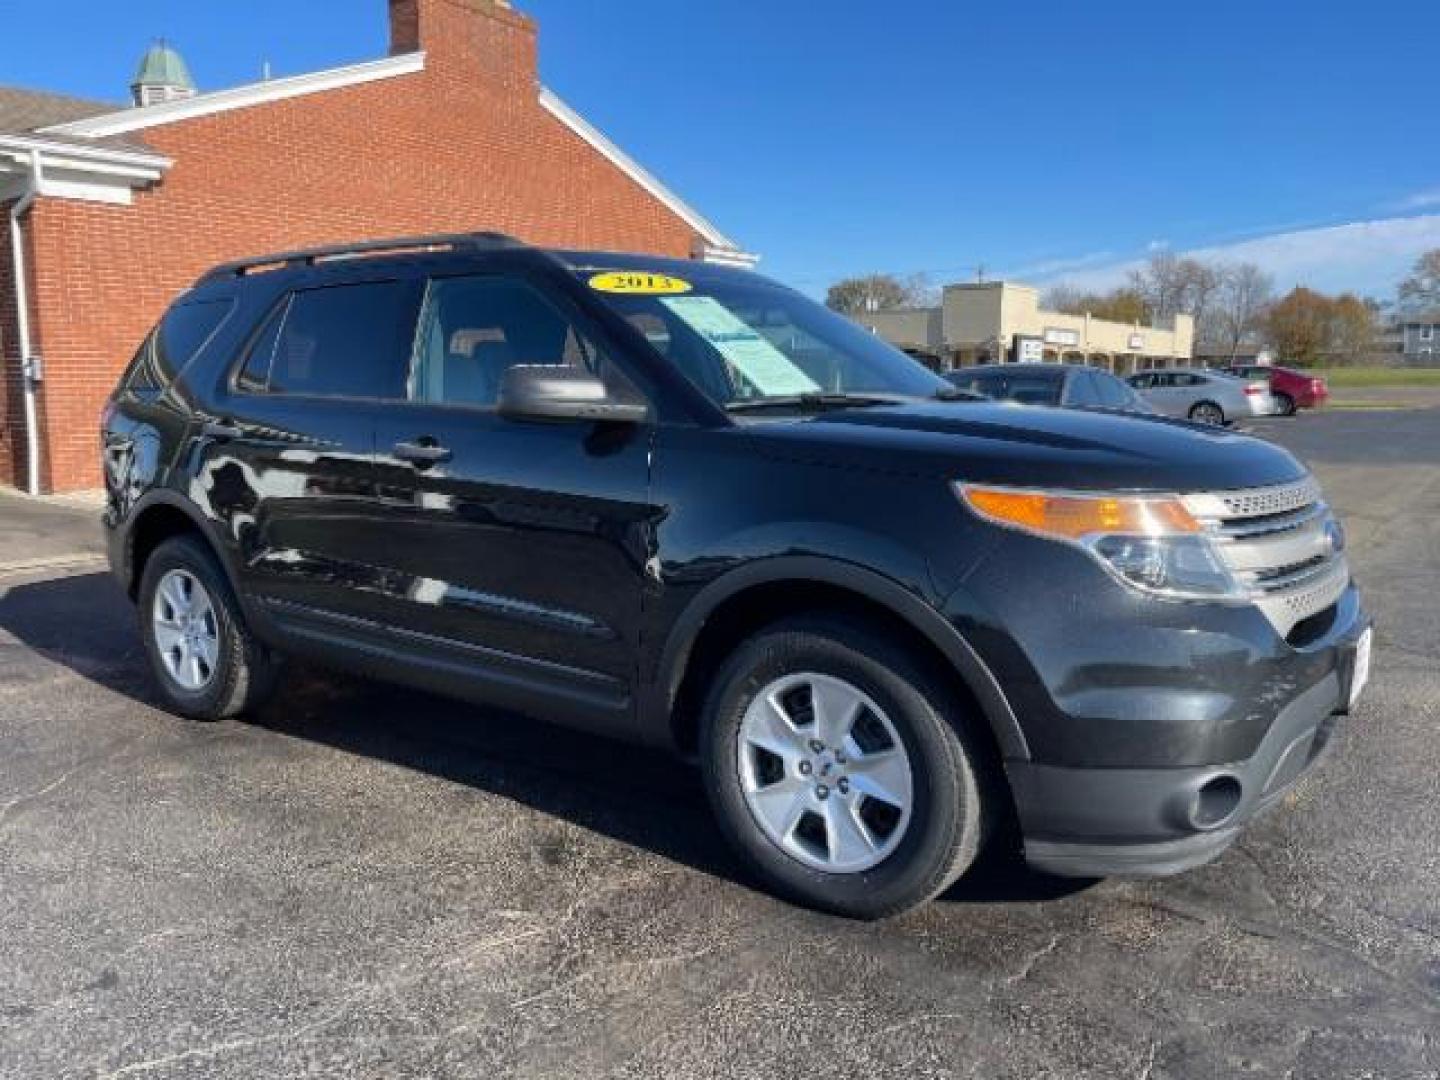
(48,531)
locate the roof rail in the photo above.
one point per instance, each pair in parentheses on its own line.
(477,241)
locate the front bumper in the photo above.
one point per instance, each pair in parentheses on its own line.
(1100,822)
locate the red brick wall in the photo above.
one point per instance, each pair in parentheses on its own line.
(462,145)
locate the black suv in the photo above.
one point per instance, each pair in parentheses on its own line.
(684,505)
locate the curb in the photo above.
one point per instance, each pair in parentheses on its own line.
(54,562)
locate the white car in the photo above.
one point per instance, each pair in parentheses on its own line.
(1207,397)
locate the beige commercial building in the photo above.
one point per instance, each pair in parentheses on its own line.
(993,321)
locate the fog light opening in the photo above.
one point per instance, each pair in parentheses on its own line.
(1216,800)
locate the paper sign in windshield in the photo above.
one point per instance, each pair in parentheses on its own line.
(764,366)
(637,282)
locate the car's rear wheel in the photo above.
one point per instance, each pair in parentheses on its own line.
(205,659)
(1285,403)
(1207,412)
(838,769)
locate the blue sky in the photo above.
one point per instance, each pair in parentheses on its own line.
(1044,141)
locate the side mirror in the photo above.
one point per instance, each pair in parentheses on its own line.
(556,392)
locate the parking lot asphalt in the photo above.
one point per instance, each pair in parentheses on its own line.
(364,881)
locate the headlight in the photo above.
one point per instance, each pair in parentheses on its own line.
(1150,542)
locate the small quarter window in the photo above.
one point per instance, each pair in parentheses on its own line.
(255,374)
(177,340)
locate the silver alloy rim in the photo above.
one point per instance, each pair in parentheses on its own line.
(1208,414)
(186,629)
(824,773)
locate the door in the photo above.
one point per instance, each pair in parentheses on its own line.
(1166,396)
(289,463)
(517,550)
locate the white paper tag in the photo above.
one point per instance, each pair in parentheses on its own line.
(764,366)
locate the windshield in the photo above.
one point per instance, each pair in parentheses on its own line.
(747,341)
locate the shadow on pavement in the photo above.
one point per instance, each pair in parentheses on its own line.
(642,797)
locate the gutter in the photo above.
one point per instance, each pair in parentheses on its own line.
(29,363)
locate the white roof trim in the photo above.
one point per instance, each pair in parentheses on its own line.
(103,158)
(240,97)
(632,168)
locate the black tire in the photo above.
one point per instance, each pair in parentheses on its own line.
(1208,412)
(1286,403)
(949,817)
(245,672)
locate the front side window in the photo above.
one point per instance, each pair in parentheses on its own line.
(1080,390)
(336,341)
(476,328)
(1113,393)
(744,341)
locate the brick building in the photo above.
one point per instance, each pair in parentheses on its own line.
(111,211)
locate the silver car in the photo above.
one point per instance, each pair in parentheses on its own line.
(1207,397)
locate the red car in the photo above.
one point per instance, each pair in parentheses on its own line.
(1291,389)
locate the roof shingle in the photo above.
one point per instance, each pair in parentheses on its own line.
(26,110)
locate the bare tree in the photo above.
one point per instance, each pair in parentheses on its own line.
(1200,287)
(1173,285)
(1353,324)
(877,292)
(1244,294)
(1123,305)
(1421,290)
(1064,297)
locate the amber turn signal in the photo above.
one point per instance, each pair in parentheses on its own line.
(1074,517)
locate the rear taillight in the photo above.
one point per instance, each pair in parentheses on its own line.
(1254,389)
(1317,386)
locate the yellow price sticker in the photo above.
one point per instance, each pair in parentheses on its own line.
(636,281)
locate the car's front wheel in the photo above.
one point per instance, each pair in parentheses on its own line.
(1285,404)
(838,767)
(204,657)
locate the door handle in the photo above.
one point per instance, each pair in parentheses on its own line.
(220,429)
(422,453)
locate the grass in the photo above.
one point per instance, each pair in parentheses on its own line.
(1370,377)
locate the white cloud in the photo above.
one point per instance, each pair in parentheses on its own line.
(1420,200)
(1052,268)
(1369,257)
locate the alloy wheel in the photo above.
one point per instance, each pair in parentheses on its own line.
(186,630)
(824,773)
(1206,413)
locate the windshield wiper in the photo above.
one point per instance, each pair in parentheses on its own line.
(813,401)
(955,393)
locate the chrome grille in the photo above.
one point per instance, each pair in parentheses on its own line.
(1279,542)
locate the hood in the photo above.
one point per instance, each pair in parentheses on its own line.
(1032,446)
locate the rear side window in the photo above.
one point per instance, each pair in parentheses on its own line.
(180,335)
(336,341)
